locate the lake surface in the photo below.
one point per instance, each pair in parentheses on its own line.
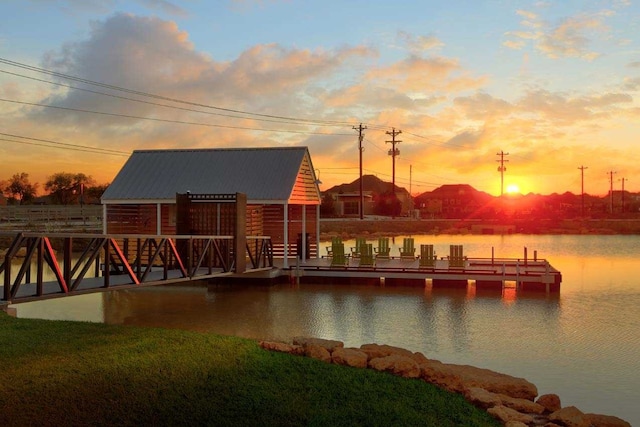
(583,344)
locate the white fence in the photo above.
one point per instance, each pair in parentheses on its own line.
(51,217)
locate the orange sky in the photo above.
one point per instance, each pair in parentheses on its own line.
(555,86)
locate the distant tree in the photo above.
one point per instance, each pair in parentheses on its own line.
(66,188)
(388,204)
(20,188)
(327,207)
(94,193)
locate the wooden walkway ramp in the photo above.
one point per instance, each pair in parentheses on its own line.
(39,266)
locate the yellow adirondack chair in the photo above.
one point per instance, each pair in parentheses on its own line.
(382,251)
(338,258)
(366,256)
(355,251)
(427,256)
(408,249)
(456,258)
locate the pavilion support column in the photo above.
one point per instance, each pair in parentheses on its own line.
(240,233)
(104,219)
(158,219)
(303,237)
(318,231)
(286,235)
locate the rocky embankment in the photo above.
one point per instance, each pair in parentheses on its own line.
(513,401)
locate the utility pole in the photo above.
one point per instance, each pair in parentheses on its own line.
(393,153)
(623,180)
(582,168)
(360,150)
(410,193)
(502,169)
(611,191)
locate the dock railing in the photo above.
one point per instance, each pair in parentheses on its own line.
(135,259)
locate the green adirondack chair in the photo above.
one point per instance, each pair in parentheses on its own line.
(367,258)
(456,257)
(382,251)
(338,258)
(355,250)
(408,250)
(427,256)
(334,240)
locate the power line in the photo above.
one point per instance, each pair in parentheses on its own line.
(165,105)
(63,148)
(155,119)
(85,147)
(161,97)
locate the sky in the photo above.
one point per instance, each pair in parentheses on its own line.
(554,85)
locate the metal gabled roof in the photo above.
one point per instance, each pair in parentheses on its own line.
(265,174)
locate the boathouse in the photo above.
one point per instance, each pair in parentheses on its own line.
(281,188)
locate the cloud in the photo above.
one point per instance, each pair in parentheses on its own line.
(165,6)
(73,7)
(467,138)
(482,106)
(570,38)
(631,84)
(516,45)
(564,110)
(417,74)
(418,44)
(154,56)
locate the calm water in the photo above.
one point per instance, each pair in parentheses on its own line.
(582,344)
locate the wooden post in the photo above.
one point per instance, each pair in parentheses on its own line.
(240,233)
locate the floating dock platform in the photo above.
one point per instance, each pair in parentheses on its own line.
(487,274)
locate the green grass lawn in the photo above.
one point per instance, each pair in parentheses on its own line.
(75,373)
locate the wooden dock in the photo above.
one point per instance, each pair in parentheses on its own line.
(527,275)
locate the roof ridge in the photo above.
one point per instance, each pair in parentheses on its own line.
(166,150)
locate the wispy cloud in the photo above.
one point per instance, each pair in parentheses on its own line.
(165,6)
(419,44)
(572,37)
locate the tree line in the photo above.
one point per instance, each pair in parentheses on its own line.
(61,188)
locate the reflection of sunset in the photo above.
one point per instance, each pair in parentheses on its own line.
(509,295)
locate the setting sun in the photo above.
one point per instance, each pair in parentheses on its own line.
(513,189)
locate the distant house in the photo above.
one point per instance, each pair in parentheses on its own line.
(280,185)
(454,201)
(348,204)
(347,196)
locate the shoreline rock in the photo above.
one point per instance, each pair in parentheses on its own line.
(509,399)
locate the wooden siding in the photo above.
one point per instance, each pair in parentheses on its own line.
(255,220)
(213,219)
(274,227)
(168,219)
(304,190)
(132,219)
(261,220)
